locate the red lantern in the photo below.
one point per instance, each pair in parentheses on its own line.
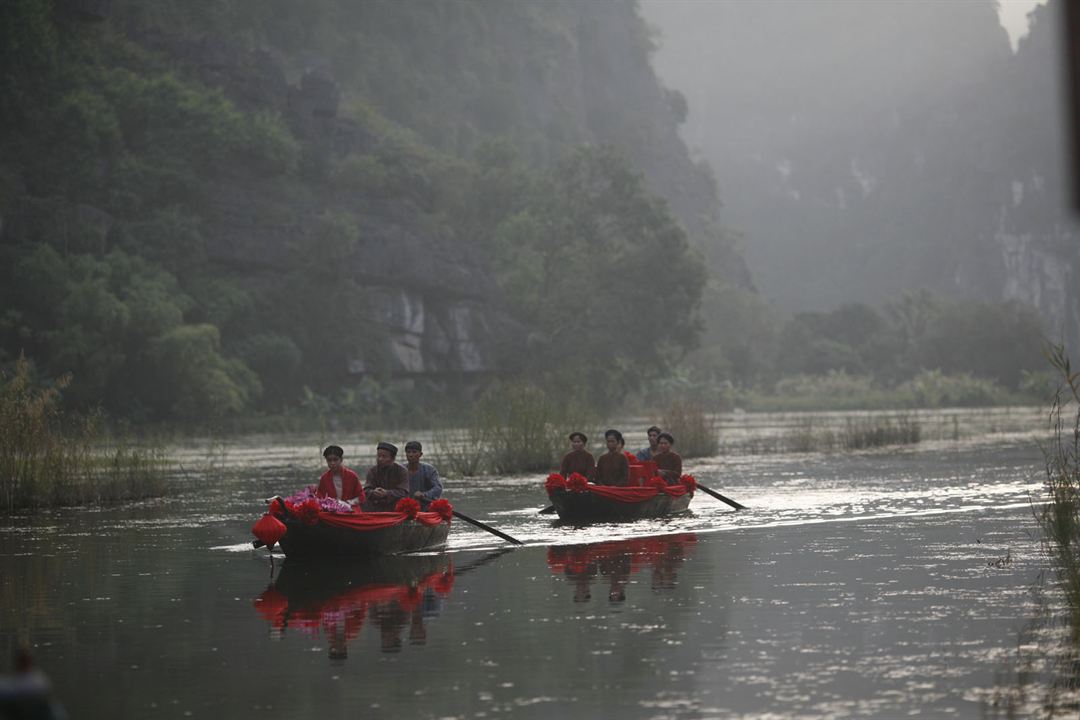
(269,530)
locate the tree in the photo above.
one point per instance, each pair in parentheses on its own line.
(601,274)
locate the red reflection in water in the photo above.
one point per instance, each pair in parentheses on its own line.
(617,560)
(317,602)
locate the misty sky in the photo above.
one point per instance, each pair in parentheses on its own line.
(1013,14)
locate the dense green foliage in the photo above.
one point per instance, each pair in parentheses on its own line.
(129,168)
(203,220)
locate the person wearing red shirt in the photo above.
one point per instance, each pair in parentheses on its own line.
(339,481)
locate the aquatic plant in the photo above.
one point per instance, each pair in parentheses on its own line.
(49,457)
(513,427)
(1060,516)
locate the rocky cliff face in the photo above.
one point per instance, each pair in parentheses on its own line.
(914,151)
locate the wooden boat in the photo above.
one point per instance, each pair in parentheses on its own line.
(321,539)
(577,500)
(304,530)
(589,506)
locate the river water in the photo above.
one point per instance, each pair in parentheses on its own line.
(879,583)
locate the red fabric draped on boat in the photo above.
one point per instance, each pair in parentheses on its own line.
(377,520)
(635,494)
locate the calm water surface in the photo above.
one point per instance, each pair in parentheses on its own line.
(880,583)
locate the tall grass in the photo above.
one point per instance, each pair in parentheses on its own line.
(513,428)
(1060,518)
(695,431)
(49,458)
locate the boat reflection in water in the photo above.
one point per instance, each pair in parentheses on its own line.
(618,560)
(335,602)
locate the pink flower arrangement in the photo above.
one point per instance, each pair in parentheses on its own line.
(631,458)
(409,506)
(443,507)
(577,483)
(324,504)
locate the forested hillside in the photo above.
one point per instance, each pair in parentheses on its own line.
(213,209)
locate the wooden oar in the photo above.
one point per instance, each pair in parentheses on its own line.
(490,529)
(720,497)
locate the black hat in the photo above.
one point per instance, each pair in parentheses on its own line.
(615,434)
(666,436)
(580,435)
(392,449)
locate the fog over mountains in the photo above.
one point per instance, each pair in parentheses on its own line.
(864,150)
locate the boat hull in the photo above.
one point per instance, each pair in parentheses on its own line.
(585,507)
(322,540)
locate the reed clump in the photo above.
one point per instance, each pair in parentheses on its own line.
(513,428)
(694,430)
(49,458)
(1060,516)
(816,434)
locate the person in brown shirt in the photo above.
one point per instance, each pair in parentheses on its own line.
(578,460)
(386,482)
(668,462)
(612,468)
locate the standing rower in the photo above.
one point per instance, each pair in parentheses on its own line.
(578,460)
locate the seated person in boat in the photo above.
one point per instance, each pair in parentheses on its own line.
(386,482)
(647,453)
(339,481)
(668,462)
(612,468)
(424,482)
(578,460)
